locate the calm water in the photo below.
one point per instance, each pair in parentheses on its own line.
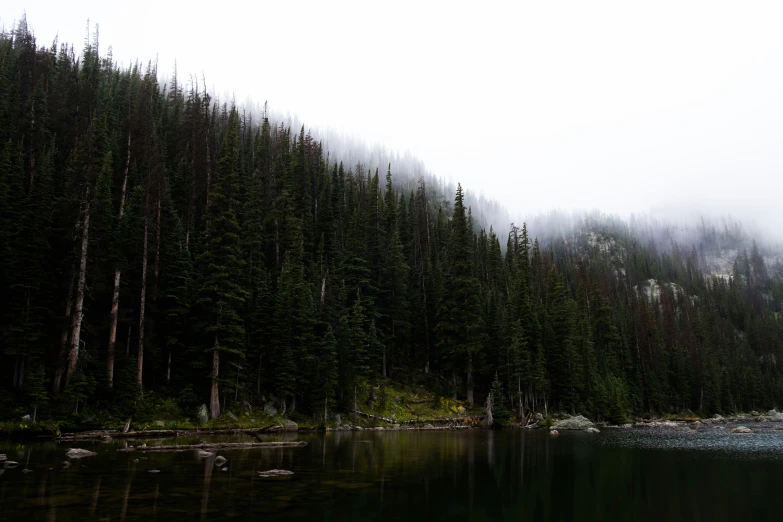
(622,475)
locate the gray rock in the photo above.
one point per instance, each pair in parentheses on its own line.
(395,427)
(3,457)
(153,471)
(10,464)
(593,430)
(224,469)
(717,417)
(574,423)
(428,426)
(775,415)
(539,417)
(202,414)
(289,425)
(203,454)
(219,460)
(77,453)
(269,409)
(26,417)
(554,433)
(742,429)
(160,423)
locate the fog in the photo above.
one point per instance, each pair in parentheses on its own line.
(670,110)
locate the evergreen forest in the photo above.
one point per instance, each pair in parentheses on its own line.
(156,243)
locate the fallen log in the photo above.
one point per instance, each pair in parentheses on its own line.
(446,420)
(274,473)
(376,417)
(217,445)
(151,434)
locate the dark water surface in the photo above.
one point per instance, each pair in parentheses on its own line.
(617,475)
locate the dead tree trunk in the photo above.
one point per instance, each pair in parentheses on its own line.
(470,380)
(58,373)
(142,301)
(214,398)
(78,313)
(115,300)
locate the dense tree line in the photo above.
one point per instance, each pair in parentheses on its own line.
(157,241)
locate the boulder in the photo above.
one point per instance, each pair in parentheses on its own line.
(77,453)
(593,430)
(3,457)
(202,414)
(219,460)
(160,423)
(269,409)
(203,454)
(574,423)
(289,425)
(10,464)
(775,415)
(538,416)
(717,417)
(742,429)
(554,433)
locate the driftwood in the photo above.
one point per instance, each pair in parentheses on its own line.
(376,417)
(447,420)
(275,473)
(151,434)
(217,445)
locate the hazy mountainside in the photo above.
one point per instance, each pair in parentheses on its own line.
(159,246)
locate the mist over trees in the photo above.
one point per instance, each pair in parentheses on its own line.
(156,243)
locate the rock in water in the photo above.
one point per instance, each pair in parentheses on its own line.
(554,433)
(219,461)
(224,469)
(10,464)
(289,425)
(77,453)
(202,454)
(574,423)
(742,429)
(593,430)
(202,414)
(153,471)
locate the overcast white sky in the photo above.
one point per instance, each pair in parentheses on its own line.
(621,106)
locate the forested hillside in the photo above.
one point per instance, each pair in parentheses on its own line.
(158,244)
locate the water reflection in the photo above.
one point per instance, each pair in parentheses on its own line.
(474,475)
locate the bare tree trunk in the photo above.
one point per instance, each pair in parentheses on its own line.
(214,399)
(470,381)
(156,264)
(58,373)
(168,369)
(115,309)
(142,301)
(115,300)
(78,313)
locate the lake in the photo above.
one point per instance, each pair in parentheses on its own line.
(617,475)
